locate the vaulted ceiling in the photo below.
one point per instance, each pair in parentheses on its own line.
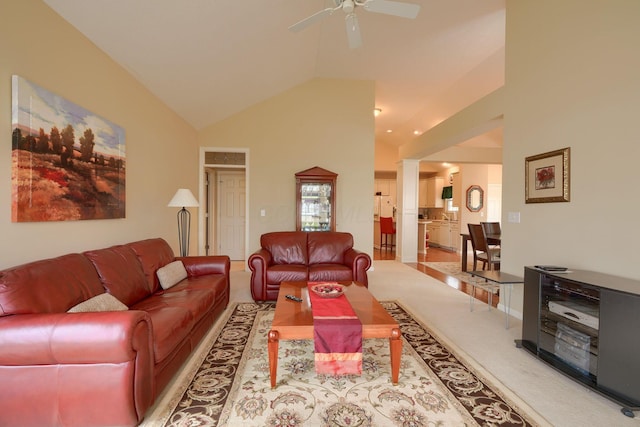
(209,59)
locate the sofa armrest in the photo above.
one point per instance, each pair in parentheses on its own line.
(76,368)
(359,262)
(258,262)
(203,265)
(76,338)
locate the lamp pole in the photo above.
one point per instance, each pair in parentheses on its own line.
(183,198)
(184,225)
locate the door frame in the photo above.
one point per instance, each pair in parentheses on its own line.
(202,188)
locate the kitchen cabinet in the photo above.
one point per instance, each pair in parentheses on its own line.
(454,233)
(316,200)
(386,187)
(422,193)
(434,192)
(444,234)
(423,227)
(434,233)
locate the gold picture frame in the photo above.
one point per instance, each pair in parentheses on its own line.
(546,177)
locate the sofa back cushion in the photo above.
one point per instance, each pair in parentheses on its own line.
(48,286)
(286,247)
(120,273)
(327,247)
(152,254)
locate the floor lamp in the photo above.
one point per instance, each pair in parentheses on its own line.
(183,198)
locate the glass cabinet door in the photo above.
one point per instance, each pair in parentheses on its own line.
(315,200)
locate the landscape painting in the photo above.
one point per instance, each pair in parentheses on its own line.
(67,162)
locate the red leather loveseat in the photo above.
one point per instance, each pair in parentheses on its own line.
(101,368)
(314,256)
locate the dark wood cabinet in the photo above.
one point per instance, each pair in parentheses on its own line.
(585,324)
(316,200)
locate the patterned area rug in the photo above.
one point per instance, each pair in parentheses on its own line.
(229,384)
(451,268)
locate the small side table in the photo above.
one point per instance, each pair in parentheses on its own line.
(506,279)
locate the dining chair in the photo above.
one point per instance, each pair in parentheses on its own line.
(387,229)
(482,251)
(491,228)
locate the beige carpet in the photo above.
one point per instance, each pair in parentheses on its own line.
(481,338)
(436,387)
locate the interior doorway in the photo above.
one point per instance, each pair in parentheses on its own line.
(231,213)
(223,197)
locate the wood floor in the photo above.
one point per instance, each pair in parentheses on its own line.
(439,255)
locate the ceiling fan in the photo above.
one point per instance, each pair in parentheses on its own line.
(403,10)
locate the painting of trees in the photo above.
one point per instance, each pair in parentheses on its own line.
(56,177)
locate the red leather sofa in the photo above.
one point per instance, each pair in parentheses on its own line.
(314,256)
(100,368)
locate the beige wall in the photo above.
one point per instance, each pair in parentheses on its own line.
(386,157)
(324,122)
(161,148)
(572,80)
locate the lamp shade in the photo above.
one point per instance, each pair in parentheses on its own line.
(183,198)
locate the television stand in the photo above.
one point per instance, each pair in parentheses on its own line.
(585,325)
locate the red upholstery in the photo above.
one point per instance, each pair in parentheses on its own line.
(100,368)
(304,256)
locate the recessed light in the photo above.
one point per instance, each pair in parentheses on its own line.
(389,130)
(416,132)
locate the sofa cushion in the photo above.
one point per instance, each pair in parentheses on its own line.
(171,274)
(330,273)
(48,286)
(102,302)
(286,247)
(120,273)
(328,248)
(153,254)
(287,273)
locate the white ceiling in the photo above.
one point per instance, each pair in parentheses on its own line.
(209,59)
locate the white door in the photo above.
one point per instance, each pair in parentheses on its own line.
(231,214)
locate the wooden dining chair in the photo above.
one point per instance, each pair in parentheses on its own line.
(482,251)
(387,229)
(491,228)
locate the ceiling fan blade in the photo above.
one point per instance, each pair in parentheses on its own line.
(353,31)
(299,26)
(395,8)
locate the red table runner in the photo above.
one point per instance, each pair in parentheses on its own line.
(337,335)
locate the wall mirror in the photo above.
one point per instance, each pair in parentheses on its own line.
(475,197)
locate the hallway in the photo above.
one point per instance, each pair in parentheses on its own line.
(439,255)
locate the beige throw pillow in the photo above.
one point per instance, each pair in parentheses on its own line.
(171,274)
(102,302)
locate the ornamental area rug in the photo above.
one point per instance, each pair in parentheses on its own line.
(228,384)
(452,269)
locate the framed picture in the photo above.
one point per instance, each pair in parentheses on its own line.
(68,163)
(546,177)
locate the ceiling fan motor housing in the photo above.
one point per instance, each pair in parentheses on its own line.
(348,6)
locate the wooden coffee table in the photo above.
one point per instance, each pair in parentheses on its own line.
(294,321)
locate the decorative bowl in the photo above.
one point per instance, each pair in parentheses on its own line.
(328,290)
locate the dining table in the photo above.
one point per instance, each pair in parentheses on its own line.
(492,239)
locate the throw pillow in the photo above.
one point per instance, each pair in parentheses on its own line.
(171,274)
(102,302)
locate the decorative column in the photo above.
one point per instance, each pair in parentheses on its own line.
(407,215)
